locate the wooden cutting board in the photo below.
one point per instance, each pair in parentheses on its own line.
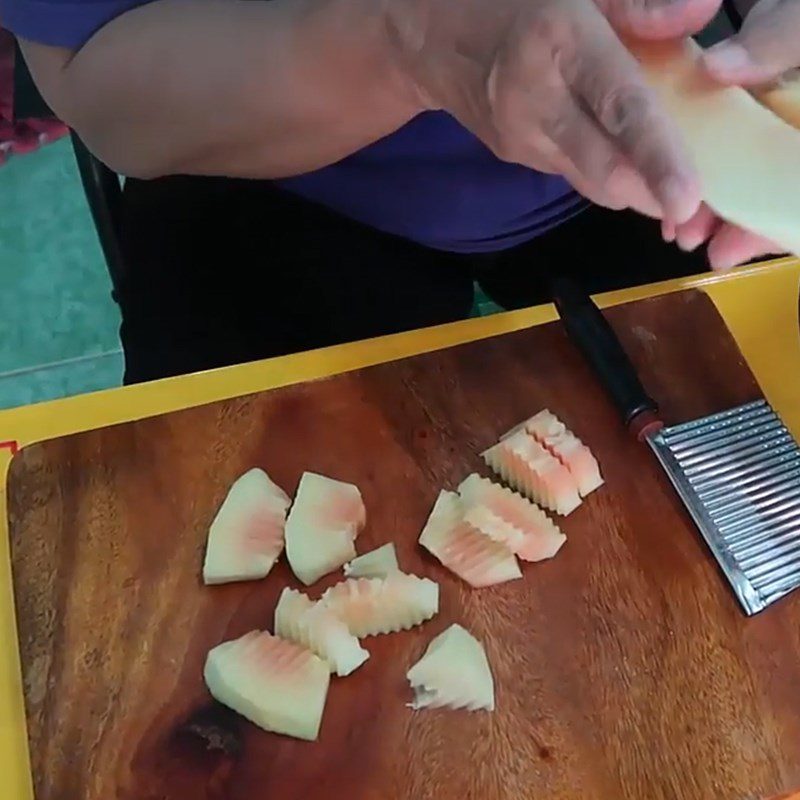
(624,668)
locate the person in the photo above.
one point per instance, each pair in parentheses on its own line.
(765,49)
(307,172)
(19,136)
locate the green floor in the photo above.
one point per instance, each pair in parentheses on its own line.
(58,324)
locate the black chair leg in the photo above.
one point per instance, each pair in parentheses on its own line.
(104,195)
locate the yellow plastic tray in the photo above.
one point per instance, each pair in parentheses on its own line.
(759,305)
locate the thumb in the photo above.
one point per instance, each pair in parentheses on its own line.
(659,19)
(767,46)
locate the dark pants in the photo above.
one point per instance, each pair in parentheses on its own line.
(227,271)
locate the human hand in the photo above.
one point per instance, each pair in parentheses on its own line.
(728,245)
(767,47)
(549,84)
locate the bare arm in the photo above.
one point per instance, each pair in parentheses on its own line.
(244,88)
(269,89)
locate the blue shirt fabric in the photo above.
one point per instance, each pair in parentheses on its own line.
(432,181)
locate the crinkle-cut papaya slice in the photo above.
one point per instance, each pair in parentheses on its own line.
(485,521)
(372,606)
(277,685)
(453,673)
(291,607)
(510,518)
(377,563)
(464,550)
(300,620)
(718,122)
(326,517)
(247,534)
(555,437)
(529,468)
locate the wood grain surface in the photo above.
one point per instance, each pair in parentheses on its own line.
(624,668)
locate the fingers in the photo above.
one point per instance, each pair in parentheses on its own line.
(590,191)
(542,125)
(607,80)
(729,246)
(580,139)
(732,246)
(659,19)
(767,46)
(626,183)
(698,230)
(601,168)
(555,153)
(539,124)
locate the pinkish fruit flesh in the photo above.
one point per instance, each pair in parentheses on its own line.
(311,625)
(247,534)
(509,517)
(275,684)
(326,517)
(377,563)
(465,551)
(372,606)
(453,673)
(527,466)
(552,434)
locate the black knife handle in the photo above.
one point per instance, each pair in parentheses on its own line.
(590,332)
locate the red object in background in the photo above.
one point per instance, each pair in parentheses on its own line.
(24,135)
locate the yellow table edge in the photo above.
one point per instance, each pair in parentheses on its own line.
(759,305)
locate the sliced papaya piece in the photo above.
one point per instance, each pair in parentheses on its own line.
(277,685)
(542,424)
(247,534)
(372,606)
(485,521)
(555,437)
(312,625)
(529,468)
(326,517)
(510,518)
(292,605)
(377,563)
(717,123)
(453,673)
(465,551)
